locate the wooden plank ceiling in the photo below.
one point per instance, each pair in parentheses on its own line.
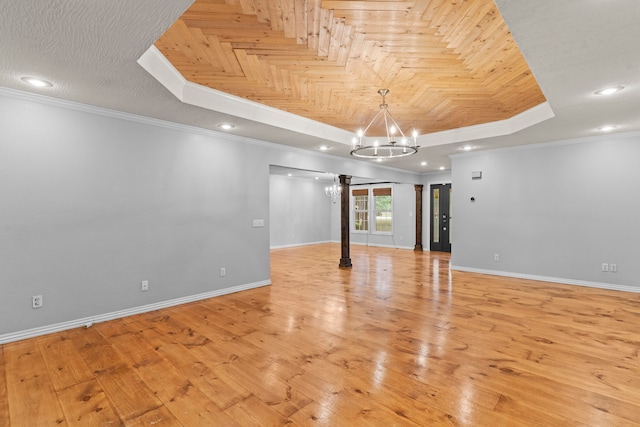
(447,63)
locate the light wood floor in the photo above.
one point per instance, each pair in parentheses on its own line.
(399,340)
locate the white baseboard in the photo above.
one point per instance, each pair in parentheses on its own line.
(562,280)
(88,321)
(296,245)
(379,245)
(338,241)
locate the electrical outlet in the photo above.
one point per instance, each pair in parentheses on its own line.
(496,257)
(613,268)
(223,272)
(144,285)
(36,301)
(605,266)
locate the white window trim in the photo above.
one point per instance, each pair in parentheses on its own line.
(372,210)
(352,214)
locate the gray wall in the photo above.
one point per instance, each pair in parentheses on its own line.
(92,205)
(404,221)
(555,210)
(288,226)
(95,201)
(300,212)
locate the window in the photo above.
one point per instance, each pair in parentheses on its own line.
(361,210)
(380,215)
(384,212)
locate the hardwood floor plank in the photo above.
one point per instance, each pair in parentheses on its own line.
(64,364)
(215,313)
(399,339)
(4,402)
(314,414)
(159,417)
(186,401)
(353,402)
(180,332)
(86,404)
(128,394)
(278,395)
(198,367)
(32,400)
(254,411)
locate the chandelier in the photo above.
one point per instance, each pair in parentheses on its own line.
(333,191)
(392,148)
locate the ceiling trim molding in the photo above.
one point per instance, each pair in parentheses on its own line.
(528,118)
(156,64)
(163,71)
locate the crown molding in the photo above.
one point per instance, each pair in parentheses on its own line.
(548,144)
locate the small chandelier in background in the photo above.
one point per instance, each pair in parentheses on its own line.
(392,148)
(333,191)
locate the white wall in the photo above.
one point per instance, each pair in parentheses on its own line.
(300,212)
(554,211)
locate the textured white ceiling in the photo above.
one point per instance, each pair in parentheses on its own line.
(89,50)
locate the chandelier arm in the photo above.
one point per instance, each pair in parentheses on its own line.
(364,132)
(396,124)
(386,126)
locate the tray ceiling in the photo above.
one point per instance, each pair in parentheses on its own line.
(448,64)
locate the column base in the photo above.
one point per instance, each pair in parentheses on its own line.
(345,263)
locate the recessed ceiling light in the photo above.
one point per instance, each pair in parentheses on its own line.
(441,168)
(607,128)
(33,81)
(226,126)
(323,147)
(423,163)
(289,174)
(609,90)
(466,147)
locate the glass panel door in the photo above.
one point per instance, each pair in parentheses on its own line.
(440,217)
